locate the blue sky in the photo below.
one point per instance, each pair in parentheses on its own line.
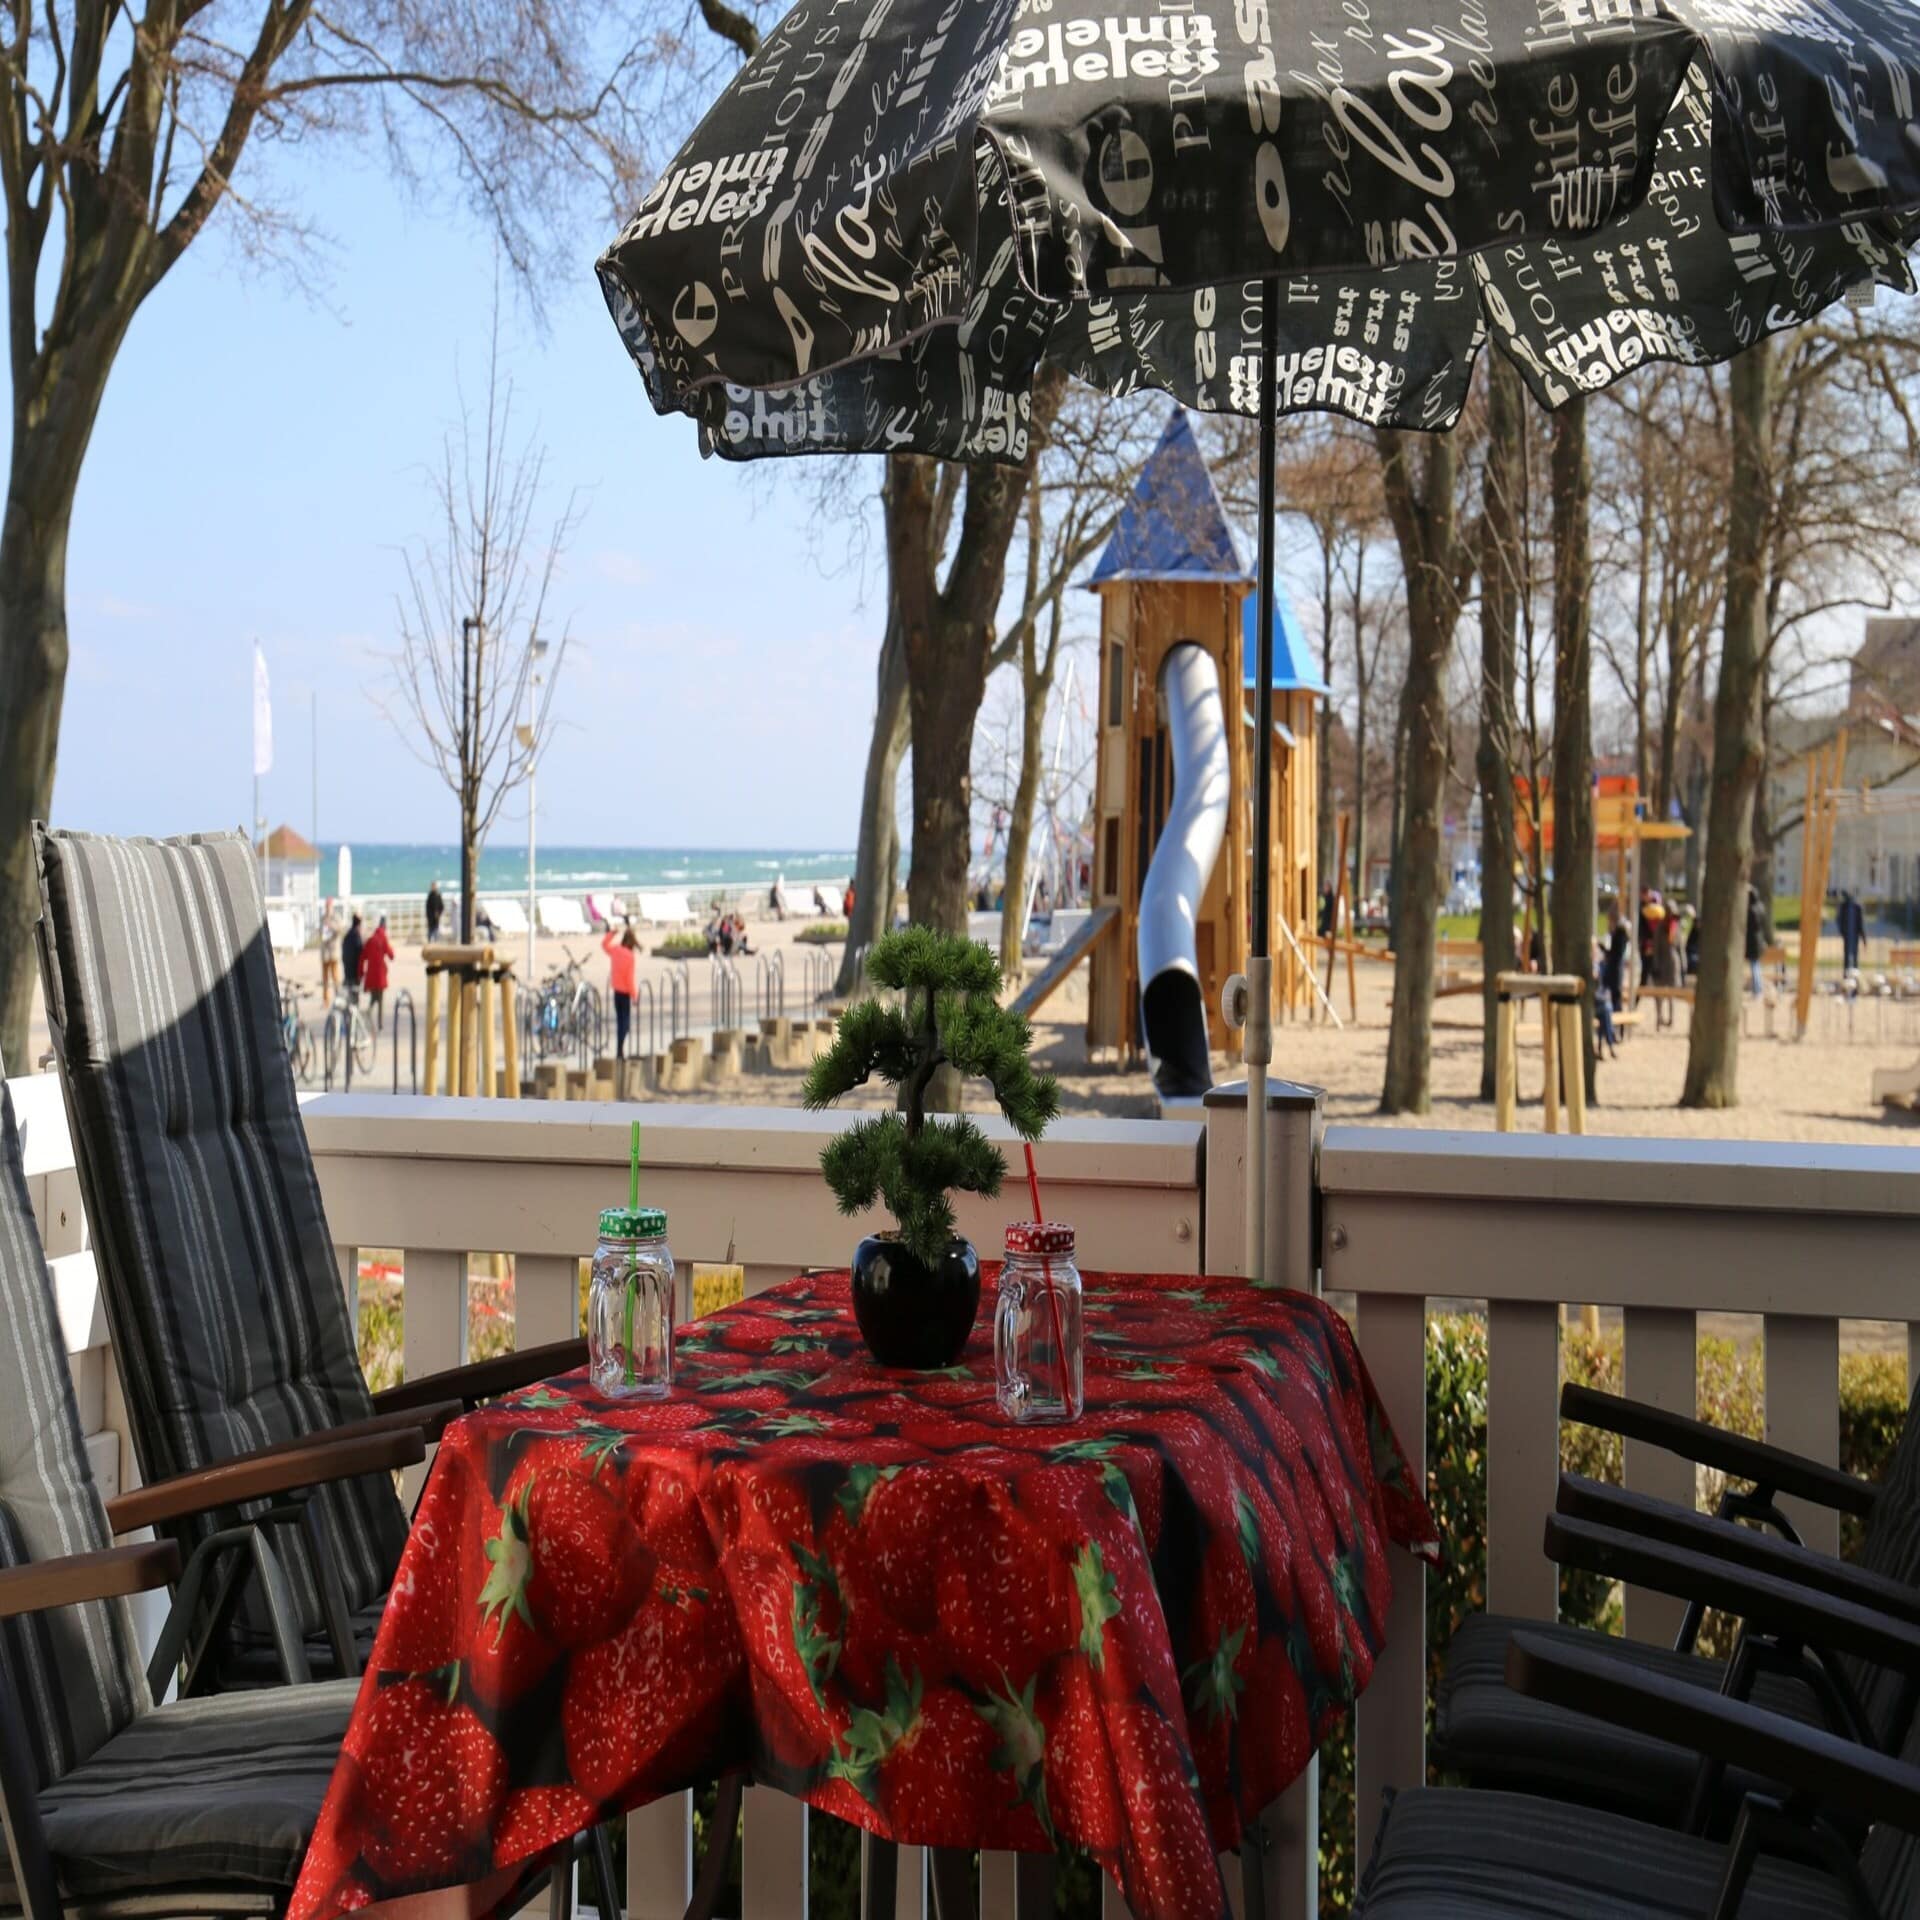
(259,463)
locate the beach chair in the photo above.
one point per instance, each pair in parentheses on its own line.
(1796,1850)
(509,918)
(230,1327)
(560,916)
(1487,1734)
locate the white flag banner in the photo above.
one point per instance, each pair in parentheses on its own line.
(262,716)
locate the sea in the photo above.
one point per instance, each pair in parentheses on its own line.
(404,870)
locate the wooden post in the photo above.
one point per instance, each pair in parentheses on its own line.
(1550,1090)
(509,1035)
(1506,1068)
(452,1076)
(1568,1014)
(433,1025)
(485,1032)
(469,1033)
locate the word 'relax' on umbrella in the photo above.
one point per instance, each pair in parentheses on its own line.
(900,211)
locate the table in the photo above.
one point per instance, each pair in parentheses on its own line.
(874,1592)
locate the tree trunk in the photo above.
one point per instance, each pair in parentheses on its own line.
(1570,902)
(876,864)
(1363,681)
(1396,811)
(1013,912)
(1713,1043)
(1325,836)
(1669,750)
(1760,864)
(1424,524)
(1500,564)
(50,436)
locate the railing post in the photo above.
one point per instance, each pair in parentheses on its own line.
(1295,1124)
(1287,1834)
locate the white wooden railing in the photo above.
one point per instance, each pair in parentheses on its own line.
(1394,1219)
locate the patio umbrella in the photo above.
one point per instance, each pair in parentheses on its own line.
(901,210)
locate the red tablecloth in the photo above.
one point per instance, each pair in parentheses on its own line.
(875,1592)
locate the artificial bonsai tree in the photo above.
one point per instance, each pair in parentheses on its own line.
(917,1288)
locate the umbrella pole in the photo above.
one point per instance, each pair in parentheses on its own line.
(1258,1039)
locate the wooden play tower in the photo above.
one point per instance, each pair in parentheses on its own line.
(1172,576)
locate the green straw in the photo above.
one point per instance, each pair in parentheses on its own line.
(633,1281)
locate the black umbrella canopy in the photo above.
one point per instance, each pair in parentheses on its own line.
(899,209)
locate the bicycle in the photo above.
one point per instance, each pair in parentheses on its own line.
(566,1011)
(295,1035)
(346,1021)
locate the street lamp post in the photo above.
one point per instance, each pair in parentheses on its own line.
(529,736)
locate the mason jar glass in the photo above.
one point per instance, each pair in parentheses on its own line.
(1037,1325)
(630,1304)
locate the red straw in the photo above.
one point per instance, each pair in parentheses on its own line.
(1053,1302)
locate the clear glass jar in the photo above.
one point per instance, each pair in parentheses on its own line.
(1037,1325)
(630,1304)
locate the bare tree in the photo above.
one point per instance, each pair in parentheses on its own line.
(122,134)
(472,616)
(1437,556)
(1571,930)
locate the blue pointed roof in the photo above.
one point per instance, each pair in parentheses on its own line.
(1292,660)
(1174,527)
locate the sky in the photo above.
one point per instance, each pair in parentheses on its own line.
(259,463)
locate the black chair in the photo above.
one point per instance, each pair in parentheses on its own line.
(1491,1736)
(230,1329)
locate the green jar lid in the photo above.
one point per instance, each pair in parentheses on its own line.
(633,1223)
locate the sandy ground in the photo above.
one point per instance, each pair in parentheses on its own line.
(1816,1089)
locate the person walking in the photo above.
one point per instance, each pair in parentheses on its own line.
(329,954)
(1613,967)
(1605,966)
(623,952)
(1756,940)
(1853,930)
(436,911)
(375,958)
(351,950)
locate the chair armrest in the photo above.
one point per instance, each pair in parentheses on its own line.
(258,1476)
(485,1379)
(1711,1446)
(1803,1758)
(1638,1513)
(1762,1600)
(138,1568)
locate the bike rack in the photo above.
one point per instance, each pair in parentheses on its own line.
(403,1002)
(724,996)
(819,977)
(770,985)
(679,1002)
(653,1017)
(338,1021)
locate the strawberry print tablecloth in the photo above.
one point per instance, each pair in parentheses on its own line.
(871,1590)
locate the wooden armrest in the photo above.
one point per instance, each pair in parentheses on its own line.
(485,1379)
(1639,1513)
(1762,1600)
(259,1476)
(1810,1760)
(138,1568)
(1712,1446)
(430,1420)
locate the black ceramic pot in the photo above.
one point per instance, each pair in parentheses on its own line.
(911,1315)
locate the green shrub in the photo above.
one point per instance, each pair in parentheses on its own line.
(822,933)
(681,946)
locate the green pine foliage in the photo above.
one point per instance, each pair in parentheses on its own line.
(946,1014)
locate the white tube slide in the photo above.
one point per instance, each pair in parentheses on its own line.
(1173,1015)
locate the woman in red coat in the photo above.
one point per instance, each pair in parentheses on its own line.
(375,958)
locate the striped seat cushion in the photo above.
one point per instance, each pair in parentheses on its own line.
(220,1792)
(230,1327)
(72,1670)
(1492,1736)
(1444,1854)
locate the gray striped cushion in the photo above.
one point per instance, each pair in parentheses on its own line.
(219,1791)
(72,1670)
(229,1324)
(1892,1548)
(1444,1854)
(1493,1736)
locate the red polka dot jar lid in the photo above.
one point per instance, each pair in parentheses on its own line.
(1040,1237)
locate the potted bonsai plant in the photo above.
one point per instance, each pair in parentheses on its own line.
(916,1288)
